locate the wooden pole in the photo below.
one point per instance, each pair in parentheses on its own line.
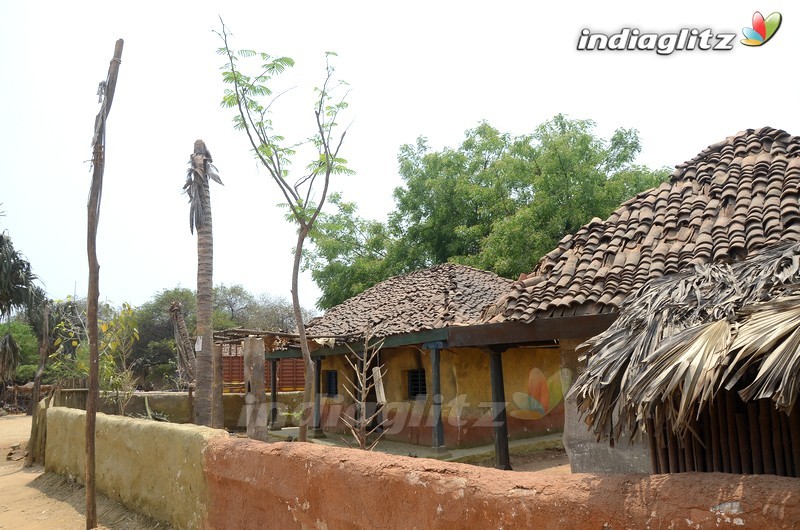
(502,457)
(724,439)
(106,93)
(786,440)
(651,438)
(755,437)
(794,430)
(744,443)
(713,427)
(733,437)
(766,436)
(777,441)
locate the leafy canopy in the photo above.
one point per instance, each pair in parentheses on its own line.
(497,202)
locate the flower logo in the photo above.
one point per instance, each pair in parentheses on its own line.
(543,395)
(763,29)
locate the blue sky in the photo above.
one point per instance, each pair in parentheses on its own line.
(415,68)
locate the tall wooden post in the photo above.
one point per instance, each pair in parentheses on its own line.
(255,395)
(436,408)
(503,460)
(317,427)
(273,387)
(106,93)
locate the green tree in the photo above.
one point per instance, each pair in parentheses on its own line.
(496,202)
(27,343)
(347,246)
(118,336)
(16,292)
(574,176)
(252,97)
(156,345)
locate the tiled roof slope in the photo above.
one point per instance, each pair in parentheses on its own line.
(440,296)
(734,198)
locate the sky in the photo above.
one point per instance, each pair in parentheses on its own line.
(432,69)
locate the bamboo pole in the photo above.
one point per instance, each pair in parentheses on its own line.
(764,421)
(716,457)
(733,437)
(777,442)
(794,432)
(98,161)
(744,443)
(651,438)
(724,447)
(755,437)
(786,442)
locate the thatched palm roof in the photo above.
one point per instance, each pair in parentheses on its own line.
(682,338)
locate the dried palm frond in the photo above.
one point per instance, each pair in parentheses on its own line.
(681,338)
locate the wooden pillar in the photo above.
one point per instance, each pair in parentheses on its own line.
(255,395)
(273,401)
(503,460)
(436,409)
(317,425)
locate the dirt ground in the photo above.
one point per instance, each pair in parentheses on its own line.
(552,460)
(31,499)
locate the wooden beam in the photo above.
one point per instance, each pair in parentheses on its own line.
(519,333)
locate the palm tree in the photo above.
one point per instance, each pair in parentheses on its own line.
(16,292)
(208,396)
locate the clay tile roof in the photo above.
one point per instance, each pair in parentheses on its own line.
(734,198)
(437,297)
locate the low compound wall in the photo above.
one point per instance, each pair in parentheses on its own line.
(310,486)
(194,477)
(155,468)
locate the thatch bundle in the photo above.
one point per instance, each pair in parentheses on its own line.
(682,338)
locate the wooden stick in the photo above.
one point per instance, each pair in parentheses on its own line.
(777,442)
(723,434)
(794,431)
(755,437)
(716,457)
(92,298)
(786,442)
(651,439)
(764,421)
(733,437)
(744,443)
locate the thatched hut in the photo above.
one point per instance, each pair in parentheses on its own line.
(706,365)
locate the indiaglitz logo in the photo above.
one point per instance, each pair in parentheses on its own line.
(763,29)
(680,39)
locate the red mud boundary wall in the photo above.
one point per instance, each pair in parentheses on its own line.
(293,485)
(195,477)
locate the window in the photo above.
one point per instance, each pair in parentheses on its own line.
(416,384)
(331,383)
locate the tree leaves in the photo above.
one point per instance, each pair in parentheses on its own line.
(496,202)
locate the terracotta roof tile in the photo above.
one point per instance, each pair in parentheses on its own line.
(437,297)
(729,201)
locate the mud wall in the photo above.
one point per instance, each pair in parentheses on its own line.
(195,477)
(155,468)
(532,384)
(292,485)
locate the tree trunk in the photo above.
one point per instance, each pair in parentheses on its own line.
(308,363)
(186,357)
(93,295)
(43,349)
(205,269)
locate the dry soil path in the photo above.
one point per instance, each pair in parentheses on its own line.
(31,499)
